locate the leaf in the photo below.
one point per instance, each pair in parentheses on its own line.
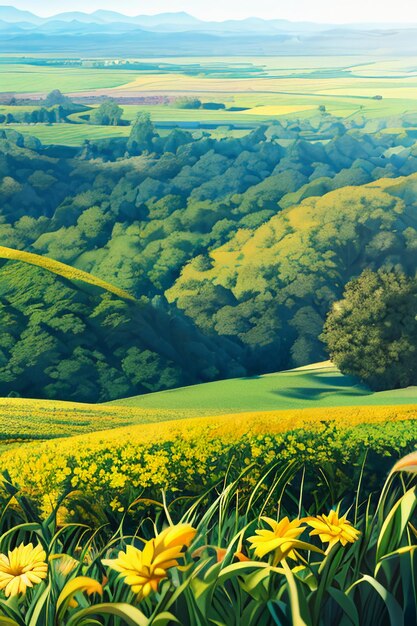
(346,604)
(395,524)
(394,609)
(130,615)
(295,599)
(7,621)
(397,553)
(33,616)
(162,619)
(76,585)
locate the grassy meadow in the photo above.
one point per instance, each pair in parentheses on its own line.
(274,400)
(319,385)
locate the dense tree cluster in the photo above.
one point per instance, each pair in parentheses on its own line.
(54,109)
(372,332)
(249,239)
(74,341)
(107,114)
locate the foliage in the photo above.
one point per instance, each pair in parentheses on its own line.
(372,332)
(55,97)
(244,242)
(63,337)
(366,577)
(107,114)
(186,102)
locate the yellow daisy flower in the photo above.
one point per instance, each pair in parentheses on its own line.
(24,567)
(333,529)
(281,540)
(144,569)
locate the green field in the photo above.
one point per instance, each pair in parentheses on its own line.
(312,387)
(69,134)
(76,134)
(270,88)
(320,385)
(41,79)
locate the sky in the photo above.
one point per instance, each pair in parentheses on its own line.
(332,11)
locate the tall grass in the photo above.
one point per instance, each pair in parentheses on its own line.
(221,581)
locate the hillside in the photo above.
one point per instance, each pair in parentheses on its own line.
(272,287)
(318,385)
(234,249)
(62,269)
(67,335)
(301,393)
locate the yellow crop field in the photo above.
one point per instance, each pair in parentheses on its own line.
(56,267)
(24,420)
(349,86)
(190,455)
(279,109)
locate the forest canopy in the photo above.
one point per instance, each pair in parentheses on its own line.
(241,245)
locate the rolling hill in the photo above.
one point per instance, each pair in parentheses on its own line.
(62,269)
(68,335)
(281,399)
(313,386)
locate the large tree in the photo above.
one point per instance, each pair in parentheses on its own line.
(107,114)
(141,135)
(372,332)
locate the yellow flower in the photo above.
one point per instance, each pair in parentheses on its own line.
(24,567)
(281,540)
(333,529)
(144,569)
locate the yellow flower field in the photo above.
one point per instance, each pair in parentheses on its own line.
(189,456)
(24,420)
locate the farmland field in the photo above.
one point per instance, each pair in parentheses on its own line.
(37,79)
(269,88)
(69,134)
(120,463)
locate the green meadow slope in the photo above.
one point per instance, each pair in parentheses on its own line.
(314,392)
(314,386)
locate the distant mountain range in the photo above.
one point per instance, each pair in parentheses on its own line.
(180,33)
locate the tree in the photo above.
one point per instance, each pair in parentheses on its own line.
(185,102)
(56,97)
(141,135)
(108,114)
(372,332)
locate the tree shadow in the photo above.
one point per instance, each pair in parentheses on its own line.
(323,384)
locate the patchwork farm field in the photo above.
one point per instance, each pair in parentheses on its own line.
(22,78)
(69,134)
(75,134)
(267,88)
